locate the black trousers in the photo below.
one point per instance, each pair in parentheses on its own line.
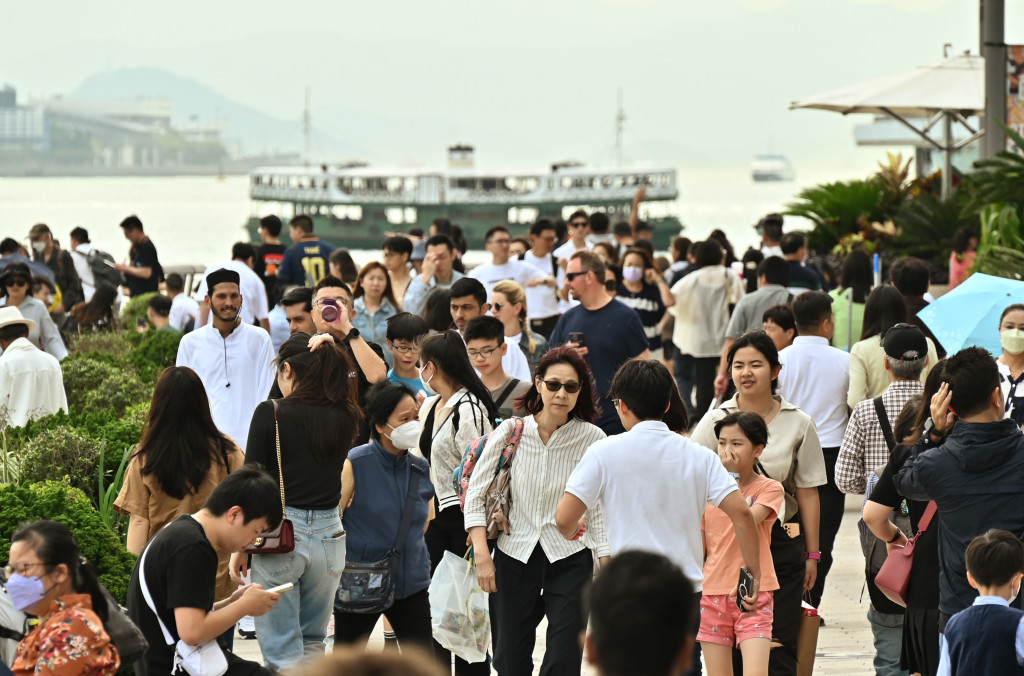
(409,617)
(544,326)
(704,371)
(528,592)
(447,533)
(833,505)
(790,567)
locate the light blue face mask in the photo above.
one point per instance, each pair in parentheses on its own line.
(25,592)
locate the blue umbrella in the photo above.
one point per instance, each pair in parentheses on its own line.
(36,268)
(969,314)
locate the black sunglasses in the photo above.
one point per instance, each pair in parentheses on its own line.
(497,306)
(554,386)
(573,275)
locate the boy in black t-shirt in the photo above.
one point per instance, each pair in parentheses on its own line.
(181,571)
(143,273)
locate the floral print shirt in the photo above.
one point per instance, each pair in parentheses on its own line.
(71,641)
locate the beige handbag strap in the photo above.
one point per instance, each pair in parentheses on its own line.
(277,442)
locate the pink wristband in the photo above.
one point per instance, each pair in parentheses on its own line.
(813,555)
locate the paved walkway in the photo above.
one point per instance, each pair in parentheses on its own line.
(844,643)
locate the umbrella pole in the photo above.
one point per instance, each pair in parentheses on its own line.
(947,166)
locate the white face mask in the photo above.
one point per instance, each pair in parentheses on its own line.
(1012,340)
(632,274)
(1015,592)
(426,383)
(39,247)
(406,435)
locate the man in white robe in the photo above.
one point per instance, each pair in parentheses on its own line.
(256,307)
(234,360)
(31,384)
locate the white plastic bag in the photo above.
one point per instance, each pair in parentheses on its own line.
(459,612)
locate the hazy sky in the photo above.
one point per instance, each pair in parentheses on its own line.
(525,81)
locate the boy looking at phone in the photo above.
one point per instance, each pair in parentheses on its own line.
(726,619)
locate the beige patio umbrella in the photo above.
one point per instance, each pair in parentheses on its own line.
(949,91)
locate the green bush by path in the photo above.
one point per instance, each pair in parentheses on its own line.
(62,454)
(20,503)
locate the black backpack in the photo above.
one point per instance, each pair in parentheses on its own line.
(100,262)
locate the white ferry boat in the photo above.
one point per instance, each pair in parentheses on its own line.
(356,205)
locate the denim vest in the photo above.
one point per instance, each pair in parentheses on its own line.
(375,515)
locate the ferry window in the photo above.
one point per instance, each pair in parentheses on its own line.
(394,184)
(606,181)
(566,183)
(358,183)
(620,181)
(489,183)
(511,182)
(464,183)
(410,214)
(393,214)
(411,184)
(551,184)
(529,184)
(665,179)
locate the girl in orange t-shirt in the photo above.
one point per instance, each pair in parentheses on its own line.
(742,437)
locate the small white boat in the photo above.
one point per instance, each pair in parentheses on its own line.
(771,167)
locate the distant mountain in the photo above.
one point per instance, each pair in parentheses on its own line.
(246,129)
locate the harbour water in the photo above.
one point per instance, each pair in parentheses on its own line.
(196,219)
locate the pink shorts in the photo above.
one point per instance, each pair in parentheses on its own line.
(721,621)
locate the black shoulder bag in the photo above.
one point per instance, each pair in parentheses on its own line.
(369,587)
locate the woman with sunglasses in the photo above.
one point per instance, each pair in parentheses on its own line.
(459,412)
(531,556)
(47,577)
(508,303)
(16,291)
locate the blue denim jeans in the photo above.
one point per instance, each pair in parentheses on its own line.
(887,630)
(296,626)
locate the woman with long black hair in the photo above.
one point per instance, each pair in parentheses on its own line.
(182,458)
(311,430)
(460,412)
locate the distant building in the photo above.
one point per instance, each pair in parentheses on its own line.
(22,127)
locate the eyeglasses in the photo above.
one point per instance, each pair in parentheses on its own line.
(405,349)
(15,282)
(573,275)
(611,285)
(342,300)
(554,386)
(497,306)
(484,352)
(20,569)
(578,224)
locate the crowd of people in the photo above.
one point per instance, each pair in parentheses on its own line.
(710,411)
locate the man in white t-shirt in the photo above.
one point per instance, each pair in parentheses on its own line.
(653,484)
(184,310)
(542,288)
(81,247)
(579,228)
(500,268)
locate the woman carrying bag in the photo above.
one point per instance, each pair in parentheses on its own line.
(460,412)
(385,489)
(311,430)
(531,555)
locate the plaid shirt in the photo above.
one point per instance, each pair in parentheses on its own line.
(864,446)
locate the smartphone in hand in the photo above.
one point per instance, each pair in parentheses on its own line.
(577,337)
(745,586)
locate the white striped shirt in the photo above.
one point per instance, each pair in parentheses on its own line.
(539,474)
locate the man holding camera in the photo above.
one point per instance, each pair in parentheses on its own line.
(604,332)
(234,360)
(333,311)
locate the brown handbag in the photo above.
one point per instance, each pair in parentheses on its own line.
(893,579)
(280,540)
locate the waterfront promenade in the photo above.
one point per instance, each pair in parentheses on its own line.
(844,643)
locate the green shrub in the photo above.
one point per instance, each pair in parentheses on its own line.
(157,351)
(136,309)
(82,374)
(61,454)
(21,503)
(116,392)
(93,343)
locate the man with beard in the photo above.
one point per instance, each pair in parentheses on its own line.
(234,360)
